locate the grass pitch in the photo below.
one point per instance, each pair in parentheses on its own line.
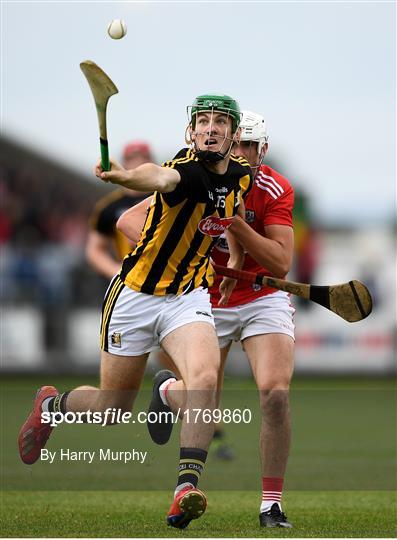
(229,514)
(341,477)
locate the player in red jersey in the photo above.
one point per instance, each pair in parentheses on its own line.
(262,317)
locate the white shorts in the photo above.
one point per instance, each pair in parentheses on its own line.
(270,314)
(134,323)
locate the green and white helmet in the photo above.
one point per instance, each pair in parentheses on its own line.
(253,128)
(215,103)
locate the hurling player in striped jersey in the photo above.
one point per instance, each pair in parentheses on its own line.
(260,317)
(161,294)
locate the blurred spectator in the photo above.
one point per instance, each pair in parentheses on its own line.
(43,225)
(106,245)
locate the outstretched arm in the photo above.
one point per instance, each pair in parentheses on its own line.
(146,177)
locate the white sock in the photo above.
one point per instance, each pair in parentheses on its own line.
(162,389)
(182,486)
(266,505)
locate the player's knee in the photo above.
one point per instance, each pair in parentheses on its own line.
(206,379)
(274,404)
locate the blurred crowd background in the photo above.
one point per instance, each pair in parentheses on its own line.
(51,297)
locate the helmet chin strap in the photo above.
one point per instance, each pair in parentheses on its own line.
(209,157)
(213,157)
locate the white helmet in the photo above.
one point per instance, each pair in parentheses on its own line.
(253,128)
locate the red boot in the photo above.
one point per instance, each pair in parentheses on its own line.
(190,503)
(33,435)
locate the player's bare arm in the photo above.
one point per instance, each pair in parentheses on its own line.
(131,222)
(97,253)
(146,177)
(236,261)
(273,251)
(236,250)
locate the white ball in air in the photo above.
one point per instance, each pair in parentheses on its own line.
(117,29)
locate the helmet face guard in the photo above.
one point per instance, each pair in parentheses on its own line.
(253,128)
(214,103)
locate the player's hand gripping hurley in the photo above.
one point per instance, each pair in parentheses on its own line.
(102,88)
(351,301)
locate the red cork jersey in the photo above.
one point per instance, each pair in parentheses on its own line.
(270,202)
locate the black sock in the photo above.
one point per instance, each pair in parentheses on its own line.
(58,403)
(191,465)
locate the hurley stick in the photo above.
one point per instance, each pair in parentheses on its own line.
(351,301)
(102,88)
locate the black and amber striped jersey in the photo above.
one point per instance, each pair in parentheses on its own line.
(105,215)
(172,256)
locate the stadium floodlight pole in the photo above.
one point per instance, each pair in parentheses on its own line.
(102,88)
(352,301)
